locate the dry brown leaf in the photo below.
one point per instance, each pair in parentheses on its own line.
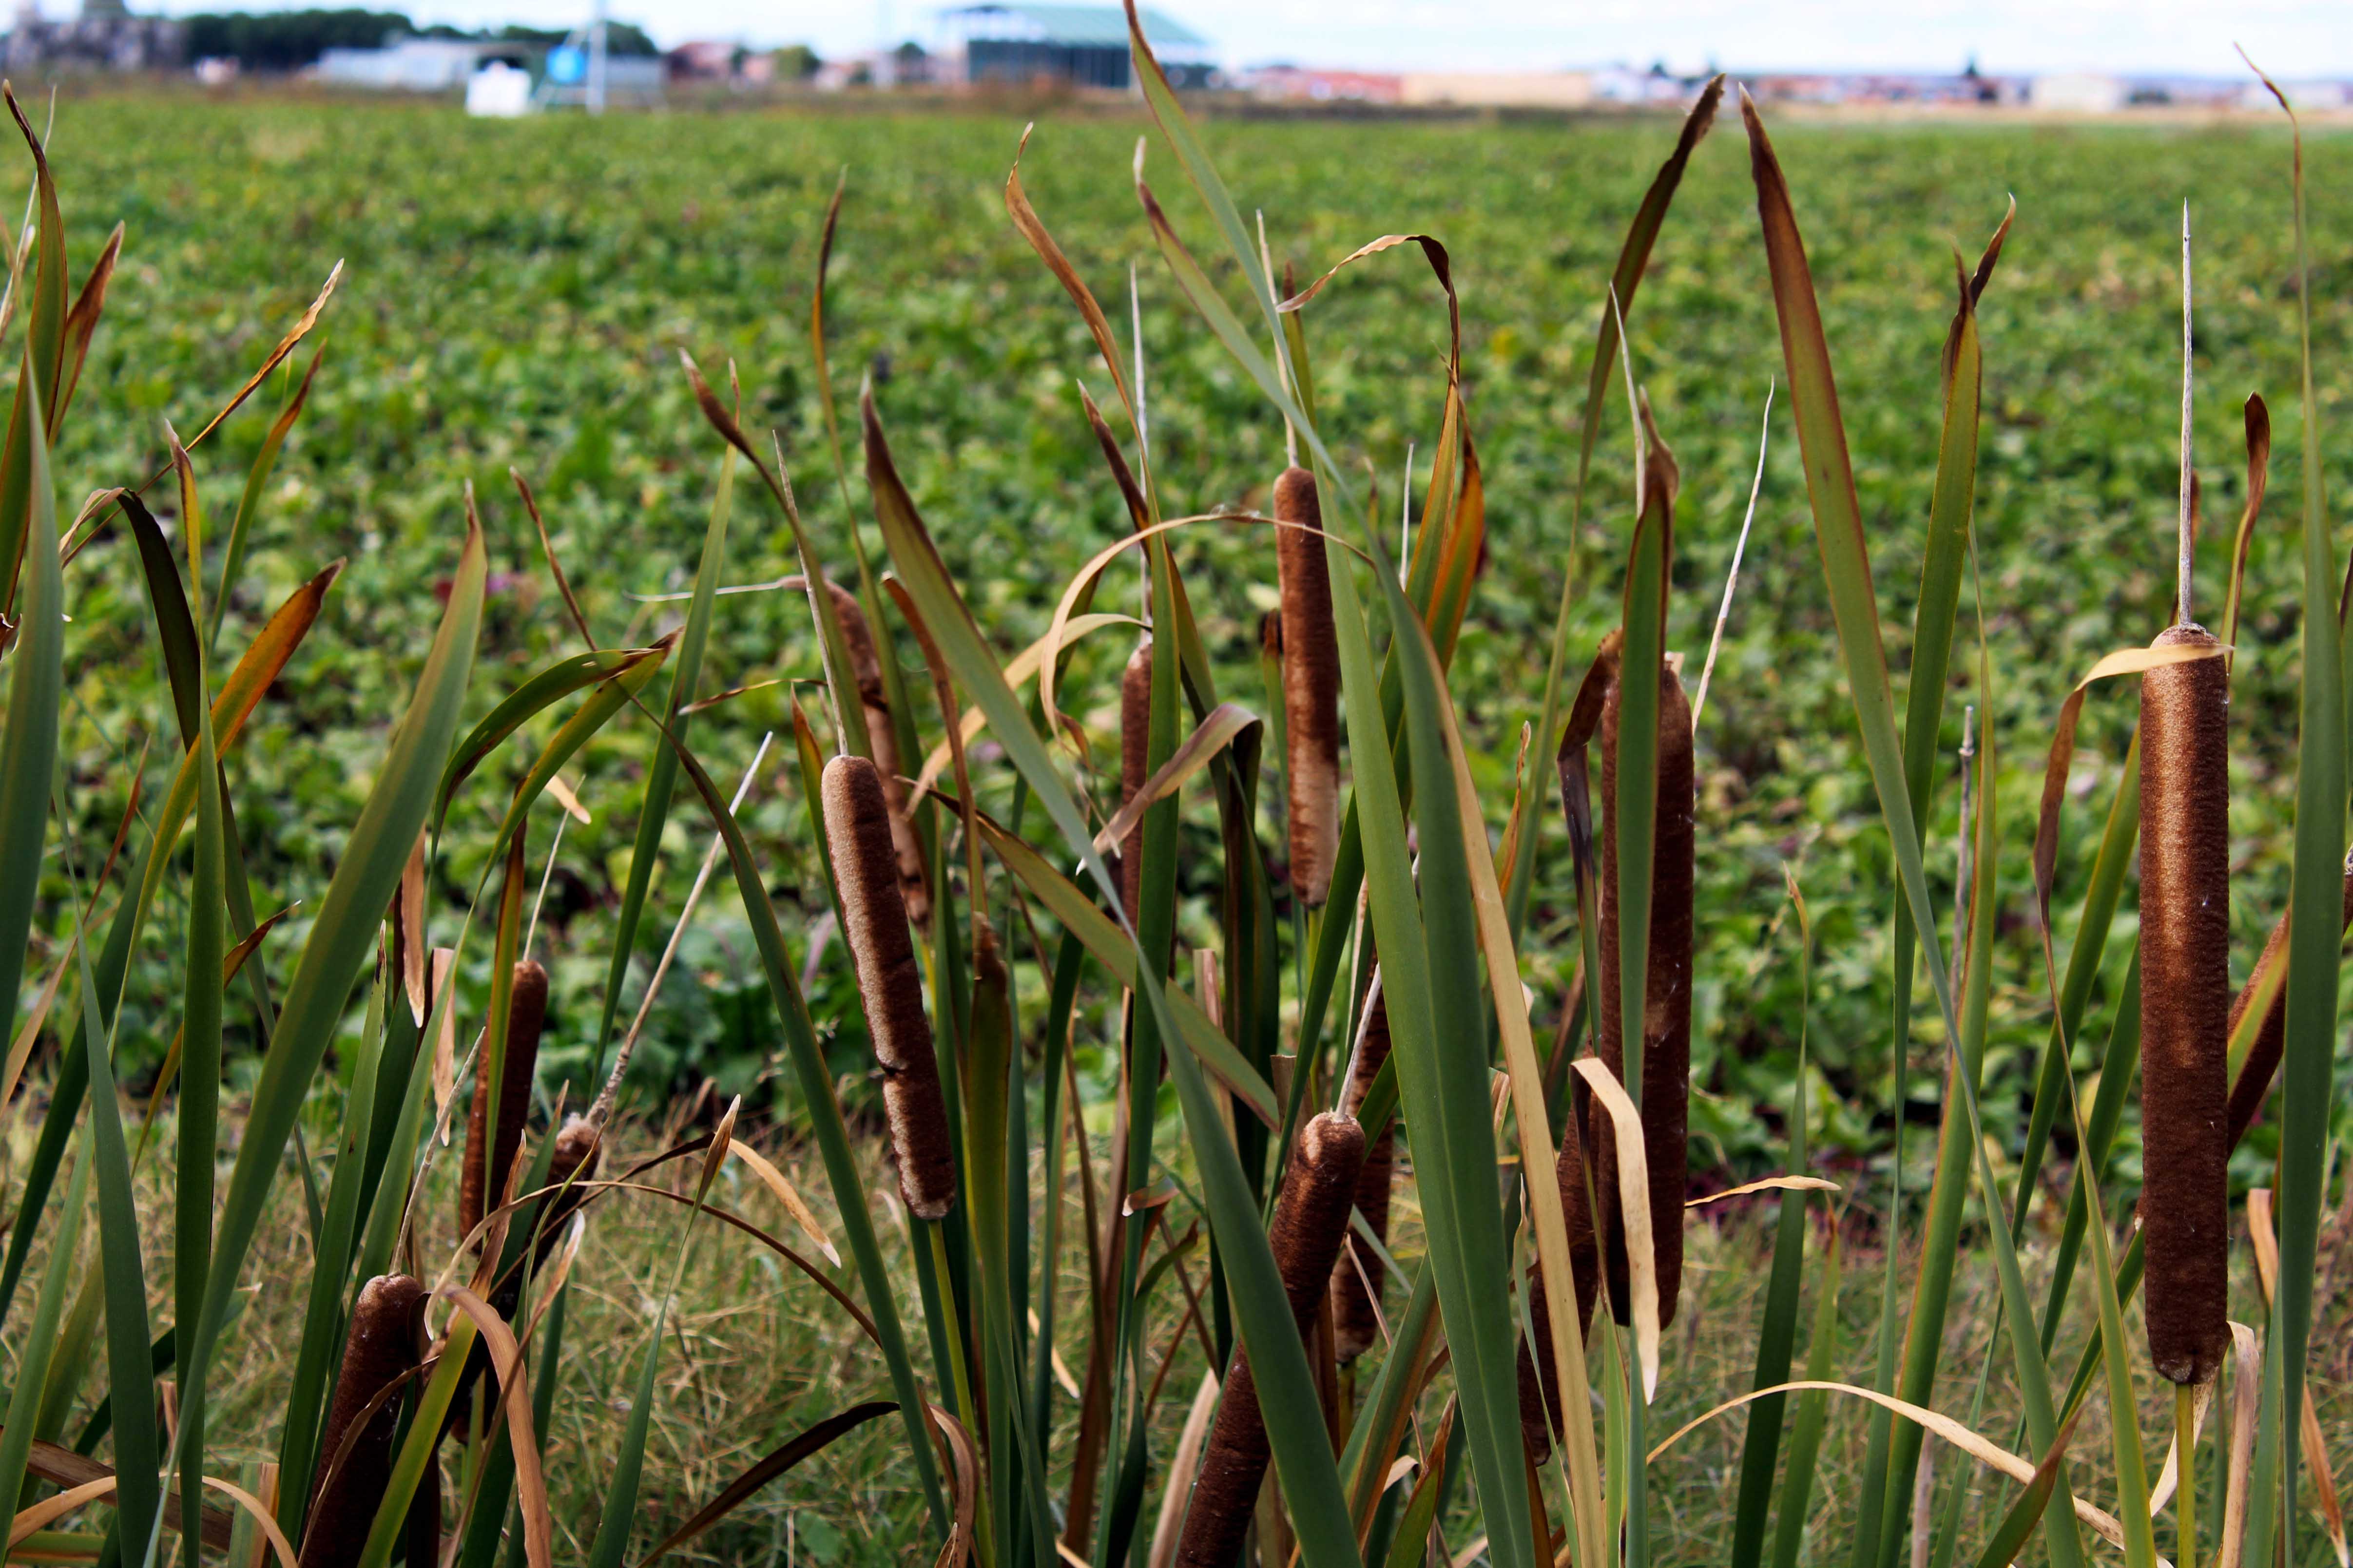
(789,1196)
(1634,1195)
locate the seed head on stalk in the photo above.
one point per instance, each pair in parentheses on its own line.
(1666,1003)
(1311,685)
(482,1180)
(1310,1215)
(579,1148)
(2185,1007)
(890,986)
(1135,768)
(381,1346)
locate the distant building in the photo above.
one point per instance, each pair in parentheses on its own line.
(1940,88)
(498,91)
(417,65)
(447,65)
(1655,88)
(1299,84)
(104,37)
(2078,92)
(1498,89)
(1084,46)
(721,61)
(2306,95)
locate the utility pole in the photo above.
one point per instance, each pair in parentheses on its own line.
(597,60)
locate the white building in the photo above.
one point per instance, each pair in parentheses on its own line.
(411,64)
(2078,92)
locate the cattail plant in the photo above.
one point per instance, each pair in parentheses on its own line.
(1666,1003)
(866,667)
(1319,1185)
(355,1447)
(1134,769)
(2185,956)
(1310,685)
(889,984)
(482,1179)
(1355,1305)
(2185,1006)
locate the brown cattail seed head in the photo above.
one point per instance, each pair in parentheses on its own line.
(382,1345)
(1539,1369)
(866,669)
(875,926)
(579,1148)
(1666,1003)
(1134,769)
(1310,685)
(1355,1319)
(2185,1006)
(482,1180)
(1310,1217)
(2254,1080)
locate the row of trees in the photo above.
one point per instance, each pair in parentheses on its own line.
(289,41)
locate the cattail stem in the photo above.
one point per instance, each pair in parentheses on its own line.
(1739,548)
(890,986)
(355,1459)
(1666,1008)
(1310,685)
(489,1161)
(2185,1471)
(2189,525)
(959,1374)
(1310,1219)
(601,1110)
(2185,932)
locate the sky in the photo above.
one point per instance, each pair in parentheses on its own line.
(2290,37)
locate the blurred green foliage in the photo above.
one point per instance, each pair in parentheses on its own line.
(516,293)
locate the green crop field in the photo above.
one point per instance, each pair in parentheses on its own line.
(515,296)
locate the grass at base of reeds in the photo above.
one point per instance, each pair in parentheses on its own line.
(759,1352)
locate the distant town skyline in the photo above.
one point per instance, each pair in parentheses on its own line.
(2292,38)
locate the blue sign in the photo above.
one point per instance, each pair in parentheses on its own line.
(567,66)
